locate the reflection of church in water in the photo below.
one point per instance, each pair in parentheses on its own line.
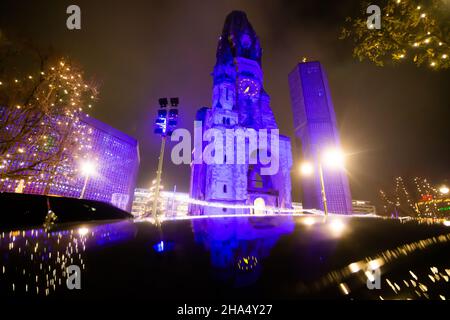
(239,101)
(238,245)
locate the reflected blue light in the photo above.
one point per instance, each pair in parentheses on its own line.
(162,246)
(159,247)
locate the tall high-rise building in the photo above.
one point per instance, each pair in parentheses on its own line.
(117,158)
(239,102)
(316,128)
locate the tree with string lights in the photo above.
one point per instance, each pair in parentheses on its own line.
(414,197)
(41,134)
(411,31)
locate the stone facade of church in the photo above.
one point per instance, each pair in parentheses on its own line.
(239,102)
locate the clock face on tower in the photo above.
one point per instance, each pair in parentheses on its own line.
(248,87)
(246,41)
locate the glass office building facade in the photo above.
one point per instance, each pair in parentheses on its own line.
(316,131)
(116,158)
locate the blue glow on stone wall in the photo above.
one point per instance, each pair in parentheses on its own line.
(240,101)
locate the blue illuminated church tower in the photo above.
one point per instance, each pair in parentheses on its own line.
(240,101)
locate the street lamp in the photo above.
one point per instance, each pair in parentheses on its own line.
(306,168)
(444,190)
(165,124)
(333,158)
(87,169)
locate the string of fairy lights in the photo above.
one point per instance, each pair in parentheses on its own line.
(429,39)
(400,185)
(410,31)
(425,189)
(59,93)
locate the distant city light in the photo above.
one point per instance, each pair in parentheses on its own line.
(306,168)
(444,189)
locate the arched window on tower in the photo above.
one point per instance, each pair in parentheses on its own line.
(224,188)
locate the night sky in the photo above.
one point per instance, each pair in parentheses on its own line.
(393,120)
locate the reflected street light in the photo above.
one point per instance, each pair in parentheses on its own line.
(333,158)
(88,169)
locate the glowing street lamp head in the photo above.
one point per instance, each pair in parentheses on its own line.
(88,168)
(444,190)
(306,168)
(334,158)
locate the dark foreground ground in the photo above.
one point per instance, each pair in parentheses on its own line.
(211,259)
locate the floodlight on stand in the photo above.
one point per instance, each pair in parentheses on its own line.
(162,113)
(163,102)
(160,121)
(165,125)
(174,102)
(173,113)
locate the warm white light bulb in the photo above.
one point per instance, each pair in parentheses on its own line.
(306,168)
(88,168)
(334,158)
(444,190)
